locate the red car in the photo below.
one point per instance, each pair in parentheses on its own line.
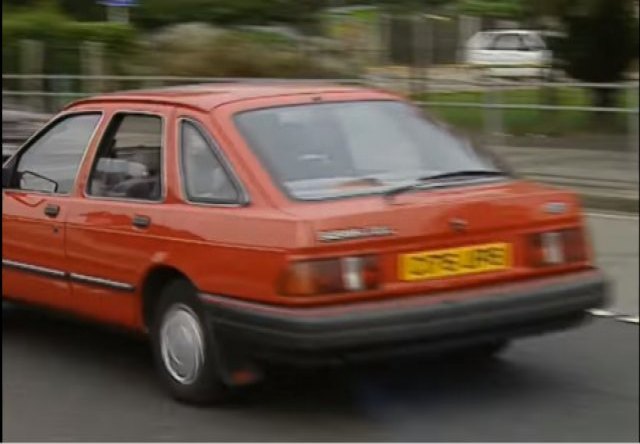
(244,223)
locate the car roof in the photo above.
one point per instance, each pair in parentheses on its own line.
(205,97)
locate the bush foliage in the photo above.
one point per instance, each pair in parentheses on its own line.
(50,24)
(198,50)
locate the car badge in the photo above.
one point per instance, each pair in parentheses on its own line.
(354,233)
(458,225)
(555,208)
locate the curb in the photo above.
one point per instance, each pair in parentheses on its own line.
(609,202)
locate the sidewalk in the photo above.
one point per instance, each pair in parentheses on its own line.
(606,180)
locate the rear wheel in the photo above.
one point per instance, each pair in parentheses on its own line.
(183,347)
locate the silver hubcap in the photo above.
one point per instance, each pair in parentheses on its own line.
(182,344)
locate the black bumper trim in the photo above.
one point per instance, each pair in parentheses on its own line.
(530,304)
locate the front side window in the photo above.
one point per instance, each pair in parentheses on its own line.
(329,150)
(129,160)
(51,163)
(204,177)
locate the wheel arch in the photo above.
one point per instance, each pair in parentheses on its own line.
(155,279)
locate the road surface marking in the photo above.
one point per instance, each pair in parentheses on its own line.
(610,314)
(602,313)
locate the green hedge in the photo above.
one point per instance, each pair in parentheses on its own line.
(152,14)
(52,25)
(237,54)
(62,37)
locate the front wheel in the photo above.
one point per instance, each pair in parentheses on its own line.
(183,347)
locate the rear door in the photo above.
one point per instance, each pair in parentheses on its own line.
(115,228)
(34,208)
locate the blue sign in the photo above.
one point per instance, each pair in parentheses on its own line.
(119,3)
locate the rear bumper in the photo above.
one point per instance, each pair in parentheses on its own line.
(408,324)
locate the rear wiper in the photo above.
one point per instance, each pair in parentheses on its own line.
(425,182)
(362,182)
(463,173)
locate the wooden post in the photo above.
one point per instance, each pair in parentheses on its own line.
(32,63)
(632,104)
(418,56)
(384,35)
(493,116)
(92,57)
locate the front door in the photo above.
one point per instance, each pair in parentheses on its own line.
(34,208)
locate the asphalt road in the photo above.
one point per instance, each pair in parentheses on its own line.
(615,241)
(67,381)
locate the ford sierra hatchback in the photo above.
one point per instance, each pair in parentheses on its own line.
(242,224)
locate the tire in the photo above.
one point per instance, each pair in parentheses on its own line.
(179,326)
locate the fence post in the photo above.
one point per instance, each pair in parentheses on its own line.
(92,58)
(61,86)
(419,82)
(32,62)
(632,97)
(467,27)
(430,51)
(493,118)
(384,36)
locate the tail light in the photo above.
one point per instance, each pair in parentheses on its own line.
(327,276)
(558,247)
(575,245)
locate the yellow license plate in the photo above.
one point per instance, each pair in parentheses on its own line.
(455,262)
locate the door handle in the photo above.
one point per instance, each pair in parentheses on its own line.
(141,221)
(52,210)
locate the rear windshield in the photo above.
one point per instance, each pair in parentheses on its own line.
(330,150)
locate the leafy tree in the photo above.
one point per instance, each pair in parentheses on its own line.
(601,35)
(156,13)
(602,39)
(500,9)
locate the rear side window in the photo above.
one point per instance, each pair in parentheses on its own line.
(129,160)
(533,42)
(508,42)
(205,179)
(51,163)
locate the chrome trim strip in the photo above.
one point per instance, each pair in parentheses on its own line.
(76,277)
(33,268)
(84,279)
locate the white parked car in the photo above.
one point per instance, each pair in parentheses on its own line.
(509,53)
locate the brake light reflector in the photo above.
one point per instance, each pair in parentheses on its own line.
(558,247)
(325,276)
(552,247)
